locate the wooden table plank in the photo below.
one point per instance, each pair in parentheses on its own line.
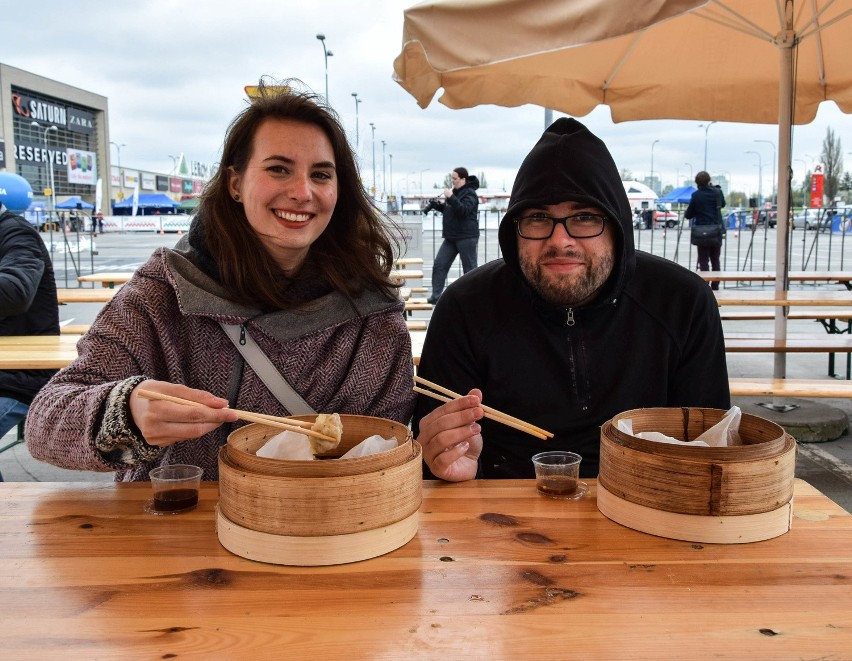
(769,276)
(107,279)
(791,298)
(84,295)
(495,571)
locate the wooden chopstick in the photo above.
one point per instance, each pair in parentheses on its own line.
(248,416)
(488,409)
(492,414)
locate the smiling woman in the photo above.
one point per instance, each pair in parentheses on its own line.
(285,254)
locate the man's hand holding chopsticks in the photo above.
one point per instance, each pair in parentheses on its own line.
(163,423)
(451,438)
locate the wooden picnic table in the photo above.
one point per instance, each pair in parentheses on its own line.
(37,352)
(406,274)
(106,279)
(819,297)
(495,571)
(80,295)
(842,277)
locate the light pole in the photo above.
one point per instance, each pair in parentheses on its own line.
(691,178)
(373,127)
(384,181)
(120,173)
(325,55)
(390,162)
(774,164)
(357,139)
(759,177)
(653,144)
(174,163)
(49,163)
(706,128)
(421,180)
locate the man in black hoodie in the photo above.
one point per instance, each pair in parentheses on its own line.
(570,328)
(28,306)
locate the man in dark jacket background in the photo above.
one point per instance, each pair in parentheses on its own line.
(459,229)
(705,206)
(570,328)
(28,306)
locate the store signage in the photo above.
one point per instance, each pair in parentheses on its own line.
(30,153)
(816,188)
(80,121)
(2,154)
(186,186)
(82,167)
(39,110)
(147,181)
(162,183)
(174,185)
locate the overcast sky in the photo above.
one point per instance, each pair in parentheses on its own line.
(174,74)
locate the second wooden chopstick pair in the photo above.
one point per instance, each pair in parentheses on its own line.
(490,413)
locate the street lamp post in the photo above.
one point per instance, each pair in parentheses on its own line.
(49,163)
(390,162)
(774,165)
(690,171)
(373,127)
(325,54)
(120,173)
(174,163)
(706,128)
(384,181)
(759,177)
(421,179)
(357,139)
(653,144)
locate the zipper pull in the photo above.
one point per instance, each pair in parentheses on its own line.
(570,320)
(242,335)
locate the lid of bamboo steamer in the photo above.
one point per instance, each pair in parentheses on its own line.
(700,494)
(320,512)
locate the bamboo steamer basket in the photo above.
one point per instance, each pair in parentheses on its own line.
(320,512)
(719,495)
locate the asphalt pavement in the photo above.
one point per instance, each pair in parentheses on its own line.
(826,465)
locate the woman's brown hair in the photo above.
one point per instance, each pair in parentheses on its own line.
(354,253)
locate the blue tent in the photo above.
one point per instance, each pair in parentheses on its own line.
(680,195)
(72,202)
(148,201)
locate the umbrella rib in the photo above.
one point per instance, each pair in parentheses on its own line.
(610,78)
(741,23)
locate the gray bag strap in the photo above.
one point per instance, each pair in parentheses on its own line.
(266,371)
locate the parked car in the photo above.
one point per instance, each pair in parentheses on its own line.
(761,216)
(667,217)
(813,219)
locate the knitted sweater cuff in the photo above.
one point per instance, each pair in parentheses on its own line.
(119,439)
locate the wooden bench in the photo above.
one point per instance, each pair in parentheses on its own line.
(74,329)
(416,324)
(37,352)
(757,387)
(403,262)
(64,296)
(405,274)
(109,280)
(830,343)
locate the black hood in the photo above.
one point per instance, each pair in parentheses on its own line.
(471,181)
(569,163)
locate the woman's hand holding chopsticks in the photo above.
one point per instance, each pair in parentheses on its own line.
(451,439)
(164,423)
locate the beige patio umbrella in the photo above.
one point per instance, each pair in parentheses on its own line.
(762,61)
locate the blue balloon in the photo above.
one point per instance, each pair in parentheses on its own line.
(16,194)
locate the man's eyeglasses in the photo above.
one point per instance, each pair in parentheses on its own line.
(538,226)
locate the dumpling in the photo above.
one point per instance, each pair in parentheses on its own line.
(328,424)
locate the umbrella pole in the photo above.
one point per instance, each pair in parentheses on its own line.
(785,123)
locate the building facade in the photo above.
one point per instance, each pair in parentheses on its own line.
(52,133)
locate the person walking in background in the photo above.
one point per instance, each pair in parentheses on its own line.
(705,207)
(28,306)
(99,220)
(460,228)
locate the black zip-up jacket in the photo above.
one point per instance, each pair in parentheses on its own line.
(652,337)
(460,212)
(28,303)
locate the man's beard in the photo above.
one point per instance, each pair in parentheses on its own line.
(569,289)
